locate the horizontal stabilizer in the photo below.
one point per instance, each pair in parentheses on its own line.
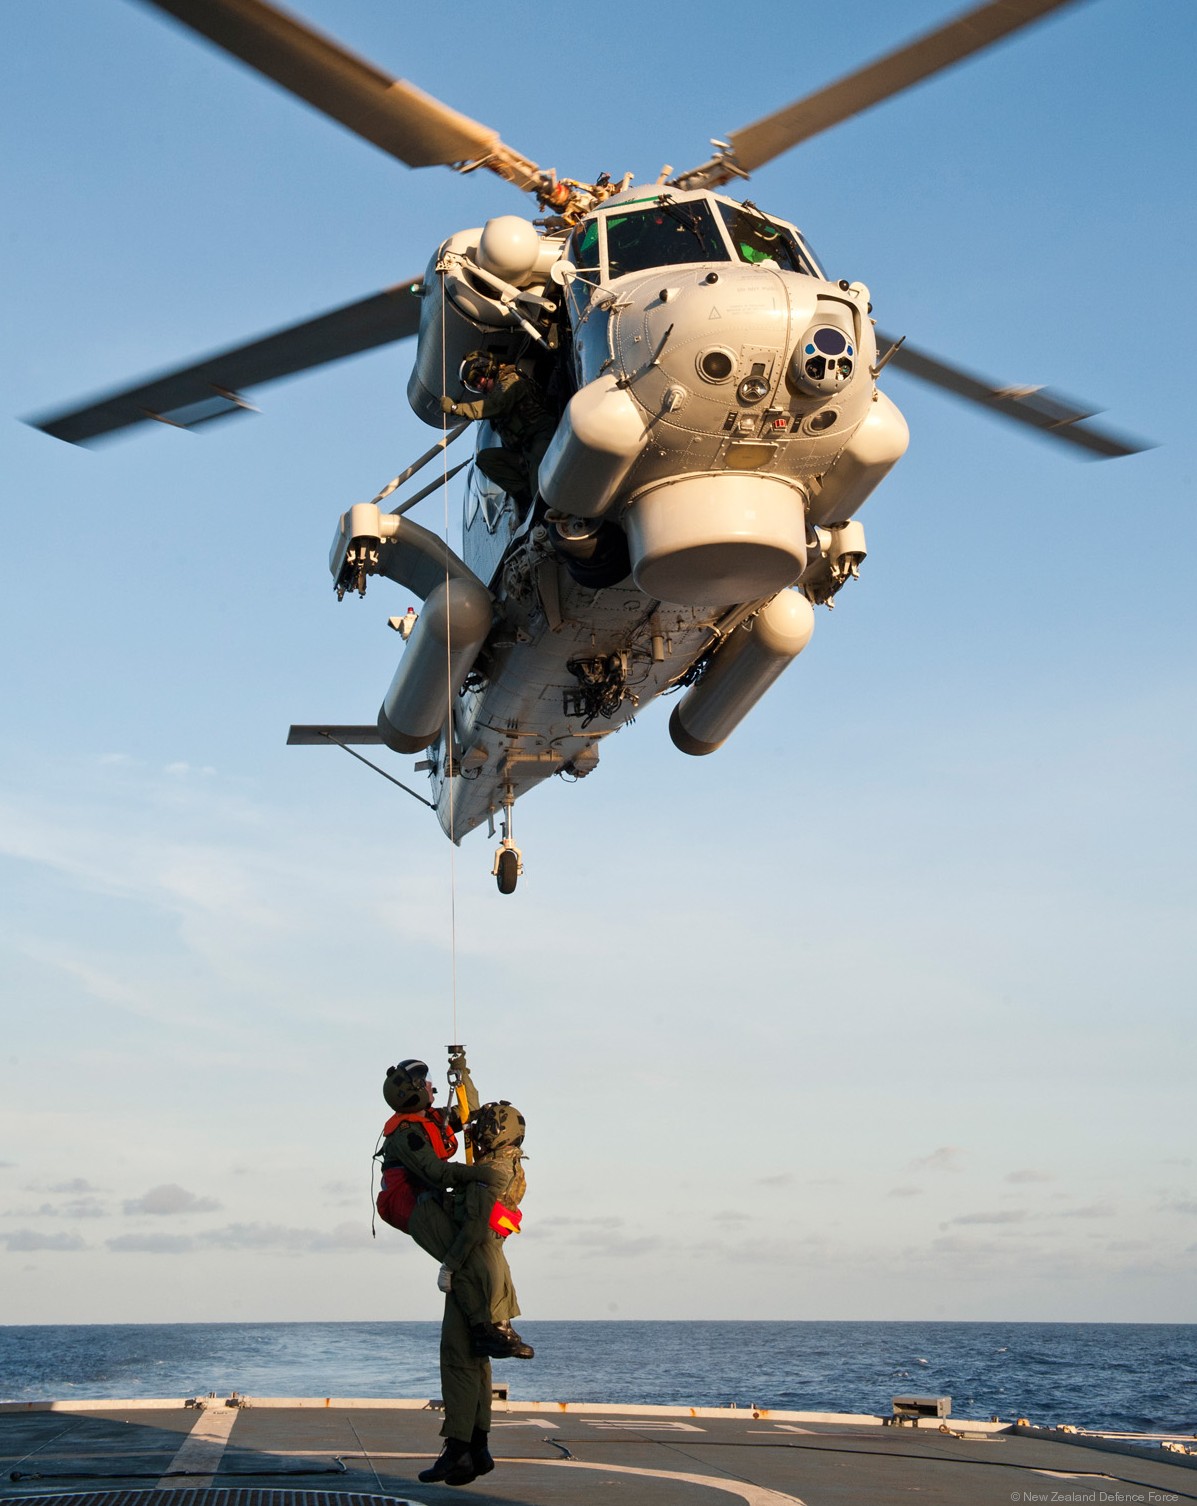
(321,735)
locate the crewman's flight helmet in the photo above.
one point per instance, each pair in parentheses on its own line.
(496,1125)
(406,1087)
(478,371)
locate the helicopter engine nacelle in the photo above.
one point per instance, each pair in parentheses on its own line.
(876,446)
(467,304)
(440,652)
(740,673)
(599,439)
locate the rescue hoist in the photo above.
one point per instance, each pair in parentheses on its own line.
(457,1088)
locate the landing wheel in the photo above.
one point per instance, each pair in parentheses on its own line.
(507,871)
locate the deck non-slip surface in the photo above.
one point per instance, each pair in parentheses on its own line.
(362,1455)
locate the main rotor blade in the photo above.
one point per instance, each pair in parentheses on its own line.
(754,145)
(391,113)
(1039,408)
(211,388)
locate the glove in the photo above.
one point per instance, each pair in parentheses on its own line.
(448,405)
(457,1063)
(444,1279)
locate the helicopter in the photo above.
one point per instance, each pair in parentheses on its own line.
(714,426)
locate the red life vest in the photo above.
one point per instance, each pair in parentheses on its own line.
(401,1188)
(504,1221)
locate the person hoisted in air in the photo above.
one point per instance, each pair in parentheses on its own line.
(517,408)
(460,1214)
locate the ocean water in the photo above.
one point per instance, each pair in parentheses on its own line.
(1136,1377)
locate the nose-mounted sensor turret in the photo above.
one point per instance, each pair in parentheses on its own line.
(824,360)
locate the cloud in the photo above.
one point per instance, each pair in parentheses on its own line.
(1001,1216)
(78,1207)
(28,1239)
(77,1185)
(152,1244)
(346,1236)
(81,1208)
(625,1248)
(1090,1210)
(905,1192)
(563,1221)
(778,1179)
(279,1237)
(946,1158)
(1028,1174)
(343,1194)
(84,1207)
(1180,1205)
(599,1236)
(170,1199)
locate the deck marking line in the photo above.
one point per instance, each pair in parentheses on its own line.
(15,1464)
(199,1457)
(1064,1474)
(752,1495)
(639,1426)
(367,1458)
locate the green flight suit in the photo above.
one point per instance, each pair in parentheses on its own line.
(482,1287)
(523,421)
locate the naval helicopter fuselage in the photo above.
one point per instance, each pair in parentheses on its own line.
(720,425)
(707,425)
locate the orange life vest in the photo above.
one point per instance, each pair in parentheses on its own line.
(401,1188)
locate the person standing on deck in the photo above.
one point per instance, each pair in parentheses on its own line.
(417,1175)
(486,1213)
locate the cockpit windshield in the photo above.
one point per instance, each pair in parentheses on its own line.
(584,246)
(666,235)
(758,239)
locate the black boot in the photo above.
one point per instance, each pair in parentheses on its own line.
(480,1454)
(498,1341)
(454,1467)
(518,1350)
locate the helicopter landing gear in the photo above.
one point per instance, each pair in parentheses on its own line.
(507,869)
(509,860)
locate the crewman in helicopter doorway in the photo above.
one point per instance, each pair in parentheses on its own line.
(460,1214)
(517,408)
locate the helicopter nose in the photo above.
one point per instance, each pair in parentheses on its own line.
(715,344)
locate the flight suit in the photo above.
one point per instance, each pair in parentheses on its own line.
(517,409)
(482,1288)
(475,1202)
(475,1235)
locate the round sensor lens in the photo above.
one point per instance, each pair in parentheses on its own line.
(832,342)
(716,365)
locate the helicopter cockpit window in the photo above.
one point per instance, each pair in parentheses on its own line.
(667,235)
(758,239)
(584,247)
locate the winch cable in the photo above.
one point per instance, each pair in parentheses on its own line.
(450,738)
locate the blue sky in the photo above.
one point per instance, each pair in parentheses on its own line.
(884,1011)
